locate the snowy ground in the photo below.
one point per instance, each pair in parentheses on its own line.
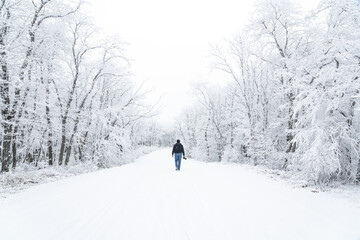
(27,176)
(148,199)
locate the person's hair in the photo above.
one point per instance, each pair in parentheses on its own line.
(178,141)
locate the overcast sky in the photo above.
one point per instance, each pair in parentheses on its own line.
(169,42)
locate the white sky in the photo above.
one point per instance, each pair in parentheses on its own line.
(170,42)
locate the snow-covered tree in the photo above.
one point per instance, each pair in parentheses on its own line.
(293,101)
(66,94)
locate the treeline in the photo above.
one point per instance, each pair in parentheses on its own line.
(293,102)
(66,95)
(151,134)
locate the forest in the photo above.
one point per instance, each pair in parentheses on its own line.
(68,95)
(66,92)
(293,102)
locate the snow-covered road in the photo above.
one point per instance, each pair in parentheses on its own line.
(149,200)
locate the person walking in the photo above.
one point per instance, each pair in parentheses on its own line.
(178,150)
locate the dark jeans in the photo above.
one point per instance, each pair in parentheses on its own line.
(178,160)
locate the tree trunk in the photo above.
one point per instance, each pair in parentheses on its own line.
(7,117)
(49,126)
(68,153)
(291,124)
(206,139)
(63,140)
(71,141)
(6,153)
